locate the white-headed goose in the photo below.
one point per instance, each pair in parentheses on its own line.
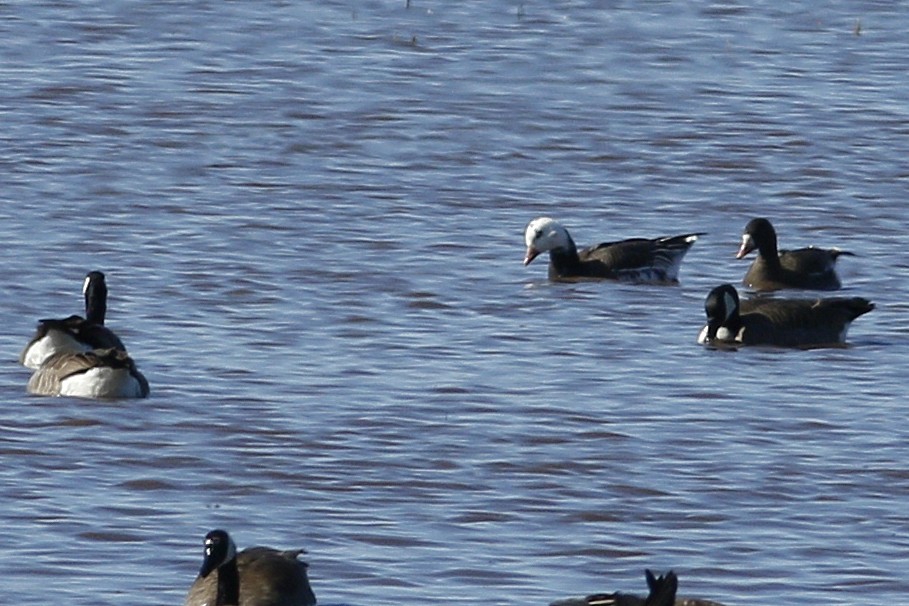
(256,576)
(780,322)
(662,593)
(99,373)
(635,260)
(808,268)
(75,333)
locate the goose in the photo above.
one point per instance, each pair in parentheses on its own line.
(75,333)
(99,373)
(809,268)
(662,593)
(635,260)
(781,322)
(256,576)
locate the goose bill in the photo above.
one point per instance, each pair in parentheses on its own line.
(531,255)
(747,246)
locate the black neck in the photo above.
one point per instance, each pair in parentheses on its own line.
(95,303)
(565,261)
(770,252)
(228,584)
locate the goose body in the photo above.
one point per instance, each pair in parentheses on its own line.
(779,322)
(634,260)
(99,373)
(256,576)
(808,268)
(662,593)
(75,333)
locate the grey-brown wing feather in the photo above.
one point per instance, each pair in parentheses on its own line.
(638,253)
(47,379)
(94,336)
(810,260)
(800,322)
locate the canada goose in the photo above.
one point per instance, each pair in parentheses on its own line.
(634,260)
(662,593)
(75,333)
(809,268)
(99,373)
(782,322)
(256,576)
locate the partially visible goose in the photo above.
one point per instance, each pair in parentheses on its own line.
(809,268)
(662,593)
(782,322)
(256,576)
(75,333)
(100,373)
(635,260)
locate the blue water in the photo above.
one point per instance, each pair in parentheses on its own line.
(311,220)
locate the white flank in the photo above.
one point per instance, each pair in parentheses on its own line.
(55,341)
(101,383)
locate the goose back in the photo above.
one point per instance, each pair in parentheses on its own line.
(99,373)
(263,577)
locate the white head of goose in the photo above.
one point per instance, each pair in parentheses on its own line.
(75,333)
(634,260)
(808,268)
(780,322)
(662,593)
(256,576)
(99,373)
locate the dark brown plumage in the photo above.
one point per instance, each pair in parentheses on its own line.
(779,322)
(662,593)
(256,576)
(807,268)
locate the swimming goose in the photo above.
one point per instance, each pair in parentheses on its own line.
(75,333)
(256,576)
(99,373)
(809,268)
(633,260)
(662,593)
(782,322)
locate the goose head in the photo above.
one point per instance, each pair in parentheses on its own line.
(219,550)
(722,308)
(759,234)
(544,234)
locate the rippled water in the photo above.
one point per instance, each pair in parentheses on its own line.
(311,222)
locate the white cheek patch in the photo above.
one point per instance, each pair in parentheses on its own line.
(85,285)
